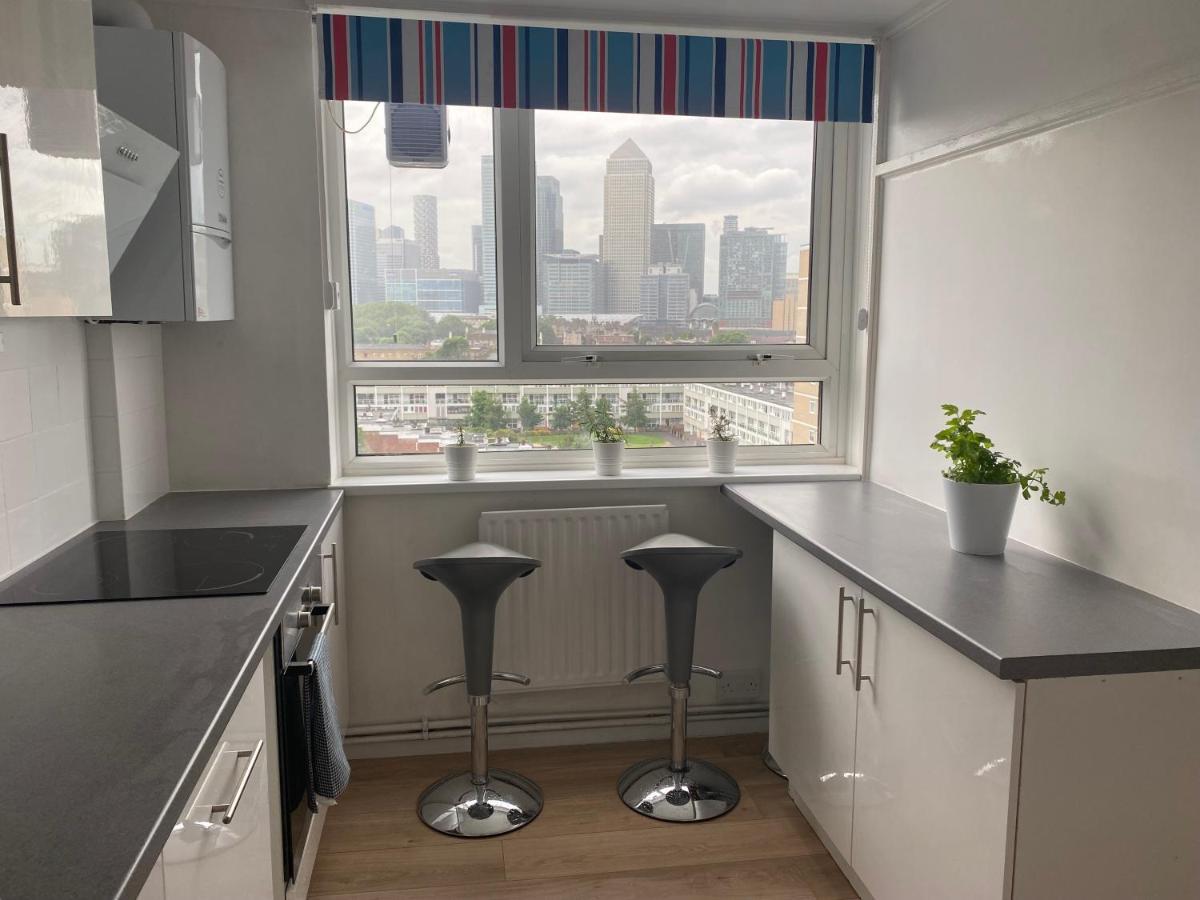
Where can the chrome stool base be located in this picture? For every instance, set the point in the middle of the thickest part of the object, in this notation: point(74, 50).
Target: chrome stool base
point(457, 807)
point(701, 791)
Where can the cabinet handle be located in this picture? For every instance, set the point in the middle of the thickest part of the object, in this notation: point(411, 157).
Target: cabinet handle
point(859, 677)
point(843, 599)
point(10, 238)
point(230, 809)
point(332, 557)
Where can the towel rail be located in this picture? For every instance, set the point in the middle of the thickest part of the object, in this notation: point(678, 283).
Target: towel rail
point(323, 611)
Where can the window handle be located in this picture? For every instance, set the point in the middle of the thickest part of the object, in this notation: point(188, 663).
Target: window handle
point(10, 238)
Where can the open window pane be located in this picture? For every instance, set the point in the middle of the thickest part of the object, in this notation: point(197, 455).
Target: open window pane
point(421, 219)
point(671, 229)
point(396, 420)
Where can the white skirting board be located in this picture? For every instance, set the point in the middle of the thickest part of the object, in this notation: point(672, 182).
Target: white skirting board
point(408, 739)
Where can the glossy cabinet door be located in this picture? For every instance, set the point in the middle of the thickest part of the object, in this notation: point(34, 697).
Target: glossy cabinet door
point(54, 248)
point(812, 703)
point(333, 579)
point(207, 857)
point(934, 763)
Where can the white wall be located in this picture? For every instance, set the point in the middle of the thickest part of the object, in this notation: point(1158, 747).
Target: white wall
point(45, 447)
point(246, 401)
point(1051, 280)
point(404, 630)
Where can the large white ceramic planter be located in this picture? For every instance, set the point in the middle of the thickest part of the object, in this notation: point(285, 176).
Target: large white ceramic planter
point(722, 456)
point(460, 462)
point(608, 456)
point(979, 516)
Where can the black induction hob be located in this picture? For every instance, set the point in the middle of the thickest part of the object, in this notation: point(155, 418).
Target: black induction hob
point(154, 564)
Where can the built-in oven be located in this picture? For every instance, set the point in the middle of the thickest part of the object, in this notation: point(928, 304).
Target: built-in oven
point(306, 617)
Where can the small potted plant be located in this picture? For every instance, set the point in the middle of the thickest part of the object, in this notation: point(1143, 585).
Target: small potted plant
point(981, 485)
point(608, 440)
point(460, 458)
point(722, 443)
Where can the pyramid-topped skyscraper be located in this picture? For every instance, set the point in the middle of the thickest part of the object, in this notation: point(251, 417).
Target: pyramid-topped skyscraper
point(628, 222)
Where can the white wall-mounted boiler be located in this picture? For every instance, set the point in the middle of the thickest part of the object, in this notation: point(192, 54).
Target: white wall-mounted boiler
point(179, 265)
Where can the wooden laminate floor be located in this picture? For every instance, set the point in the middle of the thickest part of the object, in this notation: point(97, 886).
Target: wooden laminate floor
point(585, 843)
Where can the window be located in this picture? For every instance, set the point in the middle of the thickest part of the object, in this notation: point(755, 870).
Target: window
point(413, 421)
point(662, 264)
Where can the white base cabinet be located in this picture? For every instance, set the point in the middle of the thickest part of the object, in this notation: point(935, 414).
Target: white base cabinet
point(930, 779)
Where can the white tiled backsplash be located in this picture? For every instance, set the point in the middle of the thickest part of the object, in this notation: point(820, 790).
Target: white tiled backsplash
point(45, 441)
point(129, 435)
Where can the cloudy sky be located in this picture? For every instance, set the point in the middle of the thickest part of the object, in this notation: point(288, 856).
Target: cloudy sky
point(704, 169)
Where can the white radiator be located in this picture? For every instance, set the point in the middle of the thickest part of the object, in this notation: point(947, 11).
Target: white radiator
point(584, 618)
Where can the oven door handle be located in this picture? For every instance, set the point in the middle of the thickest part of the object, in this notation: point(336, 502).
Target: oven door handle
point(324, 611)
point(230, 809)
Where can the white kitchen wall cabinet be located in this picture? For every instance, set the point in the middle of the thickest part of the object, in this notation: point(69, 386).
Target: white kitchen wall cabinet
point(812, 688)
point(223, 846)
point(53, 246)
point(929, 778)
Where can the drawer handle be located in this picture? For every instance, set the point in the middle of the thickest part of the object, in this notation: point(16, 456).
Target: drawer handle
point(859, 677)
point(843, 599)
point(230, 809)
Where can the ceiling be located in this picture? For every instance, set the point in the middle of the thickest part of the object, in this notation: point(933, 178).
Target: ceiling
point(862, 18)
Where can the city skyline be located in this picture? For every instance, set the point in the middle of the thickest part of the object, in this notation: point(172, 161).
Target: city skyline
point(759, 169)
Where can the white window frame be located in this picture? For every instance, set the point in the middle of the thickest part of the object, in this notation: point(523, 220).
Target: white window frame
point(840, 168)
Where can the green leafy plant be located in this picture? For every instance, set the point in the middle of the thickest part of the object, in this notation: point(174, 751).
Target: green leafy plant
point(598, 421)
point(974, 459)
point(462, 437)
point(720, 426)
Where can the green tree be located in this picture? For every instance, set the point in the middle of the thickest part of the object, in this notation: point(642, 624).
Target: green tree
point(562, 417)
point(454, 348)
point(636, 415)
point(582, 410)
point(528, 413)
point(391, 323)
point(449, 326)
point(486, 412)
point(731, 337)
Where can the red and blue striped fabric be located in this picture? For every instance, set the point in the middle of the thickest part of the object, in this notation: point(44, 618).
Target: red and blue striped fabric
point(520, 67)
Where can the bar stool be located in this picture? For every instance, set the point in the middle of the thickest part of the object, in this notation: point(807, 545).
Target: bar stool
point(679, 789)
point(483, 802)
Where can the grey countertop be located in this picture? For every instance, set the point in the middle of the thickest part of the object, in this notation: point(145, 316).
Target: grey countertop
point(110, 711)
point(1022, 615)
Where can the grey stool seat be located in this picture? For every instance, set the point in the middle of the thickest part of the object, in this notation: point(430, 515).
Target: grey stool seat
point(483, 802)
point(679, 789)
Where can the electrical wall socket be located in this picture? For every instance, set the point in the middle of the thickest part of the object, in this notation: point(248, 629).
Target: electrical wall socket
point(740, 684)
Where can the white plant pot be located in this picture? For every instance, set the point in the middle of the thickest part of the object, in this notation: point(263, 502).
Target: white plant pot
point(979, 516)
point(722, 456)
point(608, 456)
point(460, 462)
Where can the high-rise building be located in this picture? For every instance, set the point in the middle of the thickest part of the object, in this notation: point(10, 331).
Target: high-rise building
point(548, 231)
point(666, 295)
point(364, 277)
point(680, 244)
point(791, 313)
point(425, 229)
point(572, 284)
point(488, 234)
point(477, 249)
point(628, 217)
point(437, 290)
point(753, 268)
point(395, 252)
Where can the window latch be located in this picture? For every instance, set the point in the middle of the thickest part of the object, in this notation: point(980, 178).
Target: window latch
point(759, 358)
point(588, 359)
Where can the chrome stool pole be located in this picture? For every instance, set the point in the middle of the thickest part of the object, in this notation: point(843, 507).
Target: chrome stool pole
point(483, 802)
point(679, 789)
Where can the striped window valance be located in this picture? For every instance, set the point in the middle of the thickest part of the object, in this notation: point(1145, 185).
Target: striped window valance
point(525, 67)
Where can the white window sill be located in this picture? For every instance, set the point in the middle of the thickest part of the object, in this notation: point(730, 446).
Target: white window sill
point(574, 479)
